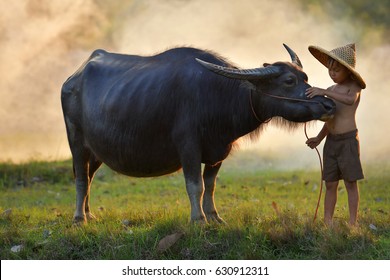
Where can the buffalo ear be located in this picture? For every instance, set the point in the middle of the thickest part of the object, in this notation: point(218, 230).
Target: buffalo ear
point(266, 64)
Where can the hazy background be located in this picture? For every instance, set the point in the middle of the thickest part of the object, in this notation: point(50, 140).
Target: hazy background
point(42, 42)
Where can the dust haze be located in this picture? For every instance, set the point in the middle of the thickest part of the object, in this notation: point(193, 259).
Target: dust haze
point(42, 42)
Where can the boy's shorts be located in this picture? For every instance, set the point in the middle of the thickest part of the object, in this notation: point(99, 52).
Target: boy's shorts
point(342, 157)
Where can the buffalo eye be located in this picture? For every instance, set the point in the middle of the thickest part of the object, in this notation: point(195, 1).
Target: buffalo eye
point(290, 81)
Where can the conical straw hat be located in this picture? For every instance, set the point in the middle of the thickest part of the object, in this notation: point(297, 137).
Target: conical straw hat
point(345, 55)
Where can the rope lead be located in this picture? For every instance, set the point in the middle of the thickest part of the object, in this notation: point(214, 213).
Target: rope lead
point(321, 167)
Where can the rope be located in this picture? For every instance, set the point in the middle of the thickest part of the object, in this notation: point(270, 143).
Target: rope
point(289, 98)
point(321, 184)
point(253, 109)
point(277, 97)
point(307, 137)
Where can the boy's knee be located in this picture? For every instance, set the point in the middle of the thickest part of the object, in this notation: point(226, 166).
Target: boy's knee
point(350, 184)
point(331, 185)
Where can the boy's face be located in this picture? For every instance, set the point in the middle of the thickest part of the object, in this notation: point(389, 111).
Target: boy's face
point(338, 72)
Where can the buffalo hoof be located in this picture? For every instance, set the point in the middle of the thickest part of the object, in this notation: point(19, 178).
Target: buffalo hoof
point(79, 221)
point(199, 221)
point(215, 218)
point(90, 216)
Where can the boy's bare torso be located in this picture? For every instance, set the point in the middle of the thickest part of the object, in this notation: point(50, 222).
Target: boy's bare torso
point(344, 118)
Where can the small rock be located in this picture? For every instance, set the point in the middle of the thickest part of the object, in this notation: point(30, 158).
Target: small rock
point(16, 248)
point(373, 227)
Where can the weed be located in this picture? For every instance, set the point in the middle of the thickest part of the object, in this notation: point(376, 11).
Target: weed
point(269, 215)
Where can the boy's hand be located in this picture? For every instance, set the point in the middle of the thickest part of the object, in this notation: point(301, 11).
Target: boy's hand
point(314, 91)
point(313, 142)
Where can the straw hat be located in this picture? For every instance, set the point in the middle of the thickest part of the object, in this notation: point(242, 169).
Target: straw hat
point(345, 55)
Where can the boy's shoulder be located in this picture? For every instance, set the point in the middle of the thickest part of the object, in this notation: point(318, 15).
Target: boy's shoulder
point(331, 87)
point(339, 88)
point(352, 86)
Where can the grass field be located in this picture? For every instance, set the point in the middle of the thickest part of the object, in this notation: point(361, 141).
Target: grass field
point(269, 215)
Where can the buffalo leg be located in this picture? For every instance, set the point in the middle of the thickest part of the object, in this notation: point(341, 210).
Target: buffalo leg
point(81, 170)
point(195, 189)
point(192, 169)
point(94, 165)
point(81, 157)
point(209, 177)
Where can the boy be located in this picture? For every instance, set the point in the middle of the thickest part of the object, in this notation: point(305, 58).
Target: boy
point(341, 149)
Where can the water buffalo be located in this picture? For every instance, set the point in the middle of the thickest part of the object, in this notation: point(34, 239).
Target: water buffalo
point(150, 116)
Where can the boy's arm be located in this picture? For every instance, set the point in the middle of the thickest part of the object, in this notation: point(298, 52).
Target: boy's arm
point(315, 141)
point(323, 133)
point(347, 98)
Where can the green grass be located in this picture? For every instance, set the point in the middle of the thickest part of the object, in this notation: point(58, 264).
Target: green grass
point(135, 214)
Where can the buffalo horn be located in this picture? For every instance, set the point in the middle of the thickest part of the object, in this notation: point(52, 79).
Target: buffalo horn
point(294, 56)
point(243, 74)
